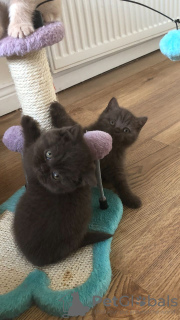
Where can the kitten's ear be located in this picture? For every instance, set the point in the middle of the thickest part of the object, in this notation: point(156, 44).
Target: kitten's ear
point(141, 122)
point(59, 116)
point(31, 130)
point(56, 112)
point(74, 132)
point(55, 109)
point(113, 104)
point(89, 179)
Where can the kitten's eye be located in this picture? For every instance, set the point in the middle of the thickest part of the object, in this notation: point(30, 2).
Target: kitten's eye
point(55, 175)
point(48, 155)
point(112, 122)
point(126, 130)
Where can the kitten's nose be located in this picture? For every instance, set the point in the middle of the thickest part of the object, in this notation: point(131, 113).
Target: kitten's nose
point(117, 130)
point(44, 167)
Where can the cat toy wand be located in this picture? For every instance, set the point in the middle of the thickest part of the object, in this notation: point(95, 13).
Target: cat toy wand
point(145, 6)
point(102, 200)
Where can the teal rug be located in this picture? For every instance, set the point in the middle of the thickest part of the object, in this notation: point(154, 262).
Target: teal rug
point(65, 289)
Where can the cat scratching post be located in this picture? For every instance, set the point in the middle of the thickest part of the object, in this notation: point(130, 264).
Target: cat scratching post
point(32, 77)
point(56, 288)
point(30, 70)
point(33, 84)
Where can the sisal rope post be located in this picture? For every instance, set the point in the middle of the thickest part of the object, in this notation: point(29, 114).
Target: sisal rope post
point(34, 85)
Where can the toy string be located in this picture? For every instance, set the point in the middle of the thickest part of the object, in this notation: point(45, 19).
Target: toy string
point(144, 5)
point(135, 2)
point(43, 3)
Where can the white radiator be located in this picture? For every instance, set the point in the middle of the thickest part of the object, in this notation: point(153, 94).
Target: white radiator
point(97, 28)
point(100, 35)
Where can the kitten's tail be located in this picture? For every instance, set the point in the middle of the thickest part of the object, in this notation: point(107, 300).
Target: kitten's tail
point(94, 237)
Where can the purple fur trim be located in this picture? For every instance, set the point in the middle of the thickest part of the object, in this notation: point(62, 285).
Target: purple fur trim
point(45, 36)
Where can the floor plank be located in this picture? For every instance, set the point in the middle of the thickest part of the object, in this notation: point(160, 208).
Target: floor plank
point(170, 136)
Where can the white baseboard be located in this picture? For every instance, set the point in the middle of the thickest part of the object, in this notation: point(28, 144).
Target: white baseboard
point(8, 100)
point(71, 77)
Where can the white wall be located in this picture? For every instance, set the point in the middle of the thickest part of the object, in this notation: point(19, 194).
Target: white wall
point(8, 98)
point(5, 77)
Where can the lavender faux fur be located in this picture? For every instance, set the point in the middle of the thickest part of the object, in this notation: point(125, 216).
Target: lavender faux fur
point(42, 37)
point(13, 139)
point(99, 142)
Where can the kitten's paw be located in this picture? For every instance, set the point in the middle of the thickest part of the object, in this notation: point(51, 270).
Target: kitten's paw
point(133, 202)
point(20, 30)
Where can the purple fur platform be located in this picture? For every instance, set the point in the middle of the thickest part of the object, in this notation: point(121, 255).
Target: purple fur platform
point(99, 142)
point(45, 36)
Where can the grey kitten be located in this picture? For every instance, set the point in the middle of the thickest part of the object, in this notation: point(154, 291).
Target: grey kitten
point(124, 128)
point(52, 217)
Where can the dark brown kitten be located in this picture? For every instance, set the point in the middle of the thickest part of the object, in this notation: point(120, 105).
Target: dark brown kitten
point(124, 128)
point(52, 217)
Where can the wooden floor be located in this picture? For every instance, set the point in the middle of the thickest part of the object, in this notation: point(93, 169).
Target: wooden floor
point(145, 253)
